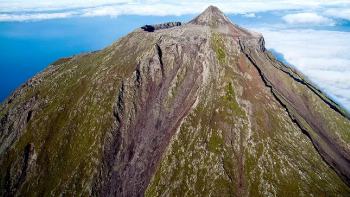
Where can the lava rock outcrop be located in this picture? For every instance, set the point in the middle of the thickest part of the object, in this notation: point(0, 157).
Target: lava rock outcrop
point(151, 28)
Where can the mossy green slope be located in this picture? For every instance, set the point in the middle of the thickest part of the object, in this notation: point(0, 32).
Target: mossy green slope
point(76, 97)
point(197, 110)
point(240, 141)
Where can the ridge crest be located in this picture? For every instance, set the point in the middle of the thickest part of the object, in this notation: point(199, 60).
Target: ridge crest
point(213, 17)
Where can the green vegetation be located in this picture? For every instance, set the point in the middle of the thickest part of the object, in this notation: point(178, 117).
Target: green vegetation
point(181, 74)
point(221, 55)
point(194, 146)
point(265, 154)
point(66, 129)
point(217, 44)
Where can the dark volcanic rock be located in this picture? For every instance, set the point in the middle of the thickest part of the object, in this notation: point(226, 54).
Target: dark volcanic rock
point(148, 28)
point(202, 109)
point(151, 28)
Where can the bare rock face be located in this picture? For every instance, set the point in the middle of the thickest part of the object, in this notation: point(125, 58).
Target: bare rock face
point(151, 28)
point(197, 109)
point(213, 17)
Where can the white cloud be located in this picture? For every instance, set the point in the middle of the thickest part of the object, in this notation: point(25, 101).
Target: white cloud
point(44, 5)
point(339, 13)
point(322, 56)
point(139, 9)
point(302, 19)
point(250, 15)
point(17, 8)
point(35, 17)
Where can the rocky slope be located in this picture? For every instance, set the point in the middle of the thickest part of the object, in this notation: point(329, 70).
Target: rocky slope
point(201, 109)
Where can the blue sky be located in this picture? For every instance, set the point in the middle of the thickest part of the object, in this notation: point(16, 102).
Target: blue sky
point(312, 36)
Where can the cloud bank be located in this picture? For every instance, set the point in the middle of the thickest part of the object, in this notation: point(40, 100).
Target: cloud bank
point(38, 9)
point(323, 56)
point(338, 13)
point(34, 17)
point(303, 19)
point(250, 15)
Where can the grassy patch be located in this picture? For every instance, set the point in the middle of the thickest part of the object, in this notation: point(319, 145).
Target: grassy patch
point(218, 46)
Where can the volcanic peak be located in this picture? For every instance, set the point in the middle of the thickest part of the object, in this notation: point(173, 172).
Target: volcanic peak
point(166, 111)
point(212, 17)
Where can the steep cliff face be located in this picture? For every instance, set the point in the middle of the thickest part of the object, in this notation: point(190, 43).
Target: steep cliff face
point(191, 110)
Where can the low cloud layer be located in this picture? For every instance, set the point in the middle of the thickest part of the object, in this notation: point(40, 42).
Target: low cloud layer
point(323, 56)
point(303, 19)
point(338, 13)
point(39, 9)
point(34, 17)
point(250, 15)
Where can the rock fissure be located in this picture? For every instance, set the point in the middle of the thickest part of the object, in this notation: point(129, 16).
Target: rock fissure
point(225, 171)
point(160, 56)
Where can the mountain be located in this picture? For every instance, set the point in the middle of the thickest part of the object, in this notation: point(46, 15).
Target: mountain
point(179, 109)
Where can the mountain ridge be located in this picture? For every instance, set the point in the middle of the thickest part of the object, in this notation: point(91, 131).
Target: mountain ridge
point(166, 112)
